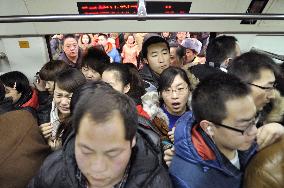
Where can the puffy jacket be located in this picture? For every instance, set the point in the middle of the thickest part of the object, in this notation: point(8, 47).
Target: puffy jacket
point(266, 169)
point(146, 169)
point(202, 165)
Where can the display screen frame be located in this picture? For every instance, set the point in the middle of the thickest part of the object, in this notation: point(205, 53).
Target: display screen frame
point(130, 7)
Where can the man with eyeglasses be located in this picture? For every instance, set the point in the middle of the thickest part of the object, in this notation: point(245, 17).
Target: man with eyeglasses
point(213, 148)
point(258, 72)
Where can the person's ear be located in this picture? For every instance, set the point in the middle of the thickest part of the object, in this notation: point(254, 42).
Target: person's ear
point(228, 61)
point(207, 127)
point(145, 61)
point(126, 88)
point(133, 142)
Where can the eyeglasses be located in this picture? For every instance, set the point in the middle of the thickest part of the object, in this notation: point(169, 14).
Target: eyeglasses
point(245, 131)
point(264, 88)
point(178, 91)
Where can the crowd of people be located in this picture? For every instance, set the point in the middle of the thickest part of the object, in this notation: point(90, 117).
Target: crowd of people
point(144, 110)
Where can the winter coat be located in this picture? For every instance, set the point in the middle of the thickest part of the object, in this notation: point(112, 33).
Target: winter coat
point(78, 63)
point(45, 104)
point(266, 168)
point(113, 53)
point(201, 164)
point(146, 169)
point(151, 105)
point(22, 149)
point(151, 80)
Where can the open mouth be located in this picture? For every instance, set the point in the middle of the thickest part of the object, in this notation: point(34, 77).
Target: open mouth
point(176, 105)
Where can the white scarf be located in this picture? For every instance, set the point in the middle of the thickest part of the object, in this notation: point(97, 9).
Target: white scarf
point(54, 120)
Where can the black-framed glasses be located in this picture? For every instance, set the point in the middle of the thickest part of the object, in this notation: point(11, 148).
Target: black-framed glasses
point(252, 123)
point(264, 88)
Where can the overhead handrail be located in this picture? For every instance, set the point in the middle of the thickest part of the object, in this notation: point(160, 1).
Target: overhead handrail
point(270, 54)
point(191, 16)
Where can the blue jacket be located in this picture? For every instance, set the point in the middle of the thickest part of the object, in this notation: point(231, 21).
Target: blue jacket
point(189, 170)
point(114, 54)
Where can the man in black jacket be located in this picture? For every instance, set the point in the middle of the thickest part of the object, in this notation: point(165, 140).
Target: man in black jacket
point(105, 149)
point(156, 55)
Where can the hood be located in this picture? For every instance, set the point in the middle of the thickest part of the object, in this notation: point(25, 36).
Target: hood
point(277, 112)
point(195, 147)
point(151, 105)
point(109, 47)
point(190, 144)
point(33, 102)
point(183, 145)
point(142, 112)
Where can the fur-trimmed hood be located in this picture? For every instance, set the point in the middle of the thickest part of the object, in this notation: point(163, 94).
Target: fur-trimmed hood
point(151, 104)
point(277, 112)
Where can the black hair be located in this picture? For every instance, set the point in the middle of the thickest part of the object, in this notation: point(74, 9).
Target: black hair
point(247, 66)
point(128, 74)
point(104, 35)
point(137, 88)
point(173, 44)
point(211, 94)
point(150, 39)
point(168, 75)
point(122, 72)
point(101, 102)
point(96, 59)
point(6, 104)
point(129, 36)
point(90, 40)
point(68, 36)
point(70, 79)
point(2, 92)
point(221, 48)
point(10, 78)
point(50, 70)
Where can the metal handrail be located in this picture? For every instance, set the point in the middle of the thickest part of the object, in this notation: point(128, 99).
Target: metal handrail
point(270, 54)
point(191, 16)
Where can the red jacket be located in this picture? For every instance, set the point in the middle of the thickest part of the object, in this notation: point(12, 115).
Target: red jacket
point(33, 102)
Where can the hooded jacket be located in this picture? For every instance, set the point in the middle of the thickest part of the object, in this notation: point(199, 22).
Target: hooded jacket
point(113, 53)
point(199, 164)
point(151, 105)
point(146, 170)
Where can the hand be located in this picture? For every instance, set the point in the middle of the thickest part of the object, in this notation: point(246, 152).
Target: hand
point(171, 134)
point(268, 134)
point(46, 130)
point(168, 155)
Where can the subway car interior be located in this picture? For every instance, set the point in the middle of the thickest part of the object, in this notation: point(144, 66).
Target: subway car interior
point(137, 107)
point(27, 24)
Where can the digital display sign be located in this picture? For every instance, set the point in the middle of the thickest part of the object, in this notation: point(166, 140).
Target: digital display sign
point(107, 7)
point(156, 7)
point(161, 7)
